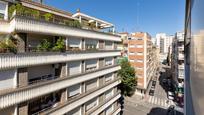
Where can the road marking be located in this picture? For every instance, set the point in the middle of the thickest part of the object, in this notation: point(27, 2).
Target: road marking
point(158, 102)
point(155, 100)
point(152, 101)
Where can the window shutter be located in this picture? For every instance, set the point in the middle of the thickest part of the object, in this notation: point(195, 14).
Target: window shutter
point(74, 90)
point(91, 84)
point(74, 42)
point(74, 68)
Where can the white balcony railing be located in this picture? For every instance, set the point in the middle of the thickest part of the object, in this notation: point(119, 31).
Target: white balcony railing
point(8, 61)
point(23, 24)
point(66, 108)
point(181, 56)
point(24, 94)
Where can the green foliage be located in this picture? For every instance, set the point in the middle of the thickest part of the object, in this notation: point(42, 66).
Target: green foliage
point(48, 16)
point(60, 45)
point(45, 45)
point(128, 79)
point(74, 23)
point(21, 10)
point(8, 45)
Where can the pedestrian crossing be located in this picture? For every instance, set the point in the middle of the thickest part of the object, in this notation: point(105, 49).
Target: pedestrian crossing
point(159, 101)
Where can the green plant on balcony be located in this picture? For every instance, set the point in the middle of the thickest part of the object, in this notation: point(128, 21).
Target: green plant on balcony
point(60, 45)
point(48, 16)
point(72, 23)
point(44, 45)
point(21, 10)
point(7, 45)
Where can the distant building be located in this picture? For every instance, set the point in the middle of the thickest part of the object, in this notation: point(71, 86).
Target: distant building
point(124, 46)
point(163, 42)
point(142, 56)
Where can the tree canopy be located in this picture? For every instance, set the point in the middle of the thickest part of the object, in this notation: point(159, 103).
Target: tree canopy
point(128, 78)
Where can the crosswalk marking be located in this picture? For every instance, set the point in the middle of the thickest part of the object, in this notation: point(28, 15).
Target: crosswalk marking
point(159, 101)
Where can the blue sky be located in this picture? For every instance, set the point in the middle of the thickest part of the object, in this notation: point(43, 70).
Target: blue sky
point(152, 16)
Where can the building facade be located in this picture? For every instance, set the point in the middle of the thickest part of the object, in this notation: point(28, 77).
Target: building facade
point(177, 65)
point(163, 42)
point(142, 56)
point(54, 62)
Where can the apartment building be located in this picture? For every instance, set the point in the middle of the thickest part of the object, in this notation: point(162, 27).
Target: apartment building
point(52, 62)
point(177, 64)
point(142, 56)
point(124, 48)
point(163, 42)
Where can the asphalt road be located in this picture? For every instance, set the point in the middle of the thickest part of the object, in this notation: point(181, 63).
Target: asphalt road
point(150, 105)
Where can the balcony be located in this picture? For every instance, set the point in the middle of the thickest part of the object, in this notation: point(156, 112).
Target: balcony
point(181, 66)
point(70, 105)
point(181, 48)
point(9, 61)
point(30, 25)
point(181, 56)
point(30, 92)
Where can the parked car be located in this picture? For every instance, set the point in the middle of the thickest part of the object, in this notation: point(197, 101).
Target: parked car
point(151, 92)
point(170, 95)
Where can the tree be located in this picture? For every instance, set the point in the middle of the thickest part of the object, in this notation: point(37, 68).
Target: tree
point(128, 79)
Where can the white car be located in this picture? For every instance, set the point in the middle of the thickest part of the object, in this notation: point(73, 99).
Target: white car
point(170, 95)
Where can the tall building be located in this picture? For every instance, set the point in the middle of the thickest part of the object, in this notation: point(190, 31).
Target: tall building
point(177, 65)
point(163, 42)
point(142, 56)
point(51, 63)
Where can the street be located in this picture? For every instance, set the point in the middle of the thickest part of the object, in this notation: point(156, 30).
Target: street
point(157, 104)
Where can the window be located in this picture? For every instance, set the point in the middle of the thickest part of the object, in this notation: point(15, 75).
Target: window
point(108, 45)
point(91, 84)
point(74, 90)
point(139, 60)
point(109, 110)
point(3, 9)
point(74, 43)
point(108, 94)
point(132, 45)
point(132, 60)
point(91, 104)
point(91, 64)
point(139, 38)
point(76, 111)
point(108, 77)
point(131, 53)
point(139, 53)
point(91, 44)
point(108, 61)
point(139, 46)
point(74, 67)
point(139, 68)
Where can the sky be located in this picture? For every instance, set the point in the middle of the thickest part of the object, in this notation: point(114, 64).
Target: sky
point(152, 16)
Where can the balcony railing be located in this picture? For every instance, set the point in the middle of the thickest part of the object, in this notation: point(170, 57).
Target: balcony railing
point(32, 91)
point(42, 79)
point(9, 61)
point(181, 56)
point(25, 24)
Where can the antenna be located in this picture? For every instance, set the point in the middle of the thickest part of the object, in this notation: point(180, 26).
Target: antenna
point(137, 18)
